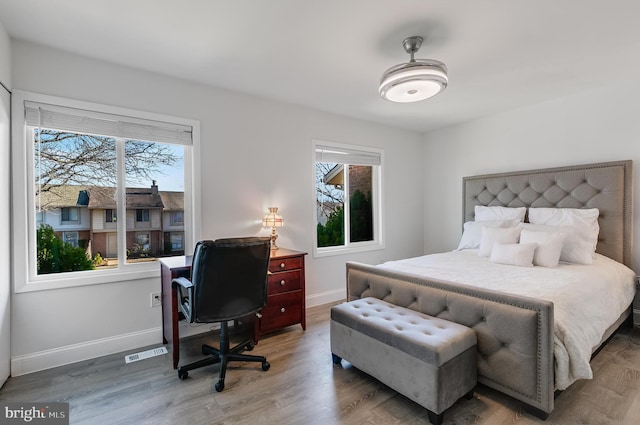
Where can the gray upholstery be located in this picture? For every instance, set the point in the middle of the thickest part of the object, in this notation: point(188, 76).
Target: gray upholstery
point(514, 334)
point(429, 360)
point(433, 340)
point(607, 186)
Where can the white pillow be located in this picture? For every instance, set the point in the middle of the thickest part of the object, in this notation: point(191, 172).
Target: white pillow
point(483, 213)
point(492, 235)
point(516, 254)
point(549, 246)
point(472, 232)
point(584, 220)
point(577, 247)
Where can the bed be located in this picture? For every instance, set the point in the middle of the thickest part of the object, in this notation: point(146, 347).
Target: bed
point(517, 334)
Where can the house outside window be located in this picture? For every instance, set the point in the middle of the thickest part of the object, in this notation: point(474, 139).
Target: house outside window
point(132, 149)
point(348, 192)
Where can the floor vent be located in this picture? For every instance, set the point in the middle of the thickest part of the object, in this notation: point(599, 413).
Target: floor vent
point(145, 354)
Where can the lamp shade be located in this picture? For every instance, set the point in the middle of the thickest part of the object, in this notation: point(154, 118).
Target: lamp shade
point(273, 219)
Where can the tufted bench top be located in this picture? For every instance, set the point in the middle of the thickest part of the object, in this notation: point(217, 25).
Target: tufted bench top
point(431, 339)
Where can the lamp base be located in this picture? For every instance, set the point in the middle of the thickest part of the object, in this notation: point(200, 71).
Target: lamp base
point(274, 236)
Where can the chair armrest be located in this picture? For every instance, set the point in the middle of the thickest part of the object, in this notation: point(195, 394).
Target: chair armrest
point(182, 281)
point(184, 291)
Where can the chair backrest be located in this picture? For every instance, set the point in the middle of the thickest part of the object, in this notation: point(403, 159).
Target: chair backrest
point(229, 278)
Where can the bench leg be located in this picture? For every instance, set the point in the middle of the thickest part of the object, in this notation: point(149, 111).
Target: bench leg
point(435, 419)
point(336, 359)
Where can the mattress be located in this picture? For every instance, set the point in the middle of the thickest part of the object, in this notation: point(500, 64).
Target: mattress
point(587, 298)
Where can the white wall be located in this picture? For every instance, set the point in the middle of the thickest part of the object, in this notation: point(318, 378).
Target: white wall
point(255, 154)
point(5, 205)
point(595, 126)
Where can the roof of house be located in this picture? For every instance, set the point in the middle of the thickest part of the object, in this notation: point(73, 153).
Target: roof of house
point(100, 197)
point(105, 198)
point(62, 196)
point(172, 201)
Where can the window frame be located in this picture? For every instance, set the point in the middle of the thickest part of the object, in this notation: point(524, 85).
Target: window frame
point(171, 235)
point(110, 215)
point(172, 218)
point(69, 210)
point(377, 201)
point(26, 278)
point(143, 215)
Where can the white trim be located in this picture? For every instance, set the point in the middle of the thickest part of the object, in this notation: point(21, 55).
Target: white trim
point(25, 277)
point(41, 360)
point(326, 297)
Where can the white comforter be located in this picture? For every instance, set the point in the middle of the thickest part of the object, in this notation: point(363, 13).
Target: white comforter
point(587, 298)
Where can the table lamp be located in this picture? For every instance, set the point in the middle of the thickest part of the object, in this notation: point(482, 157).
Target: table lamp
point(273, 220)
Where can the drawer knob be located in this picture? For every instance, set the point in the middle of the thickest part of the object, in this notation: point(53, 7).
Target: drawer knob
point(282, 265)
point(282, 282)
point(282, 310)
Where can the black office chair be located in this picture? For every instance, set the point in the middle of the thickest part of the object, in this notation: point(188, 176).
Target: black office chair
point(228, 282)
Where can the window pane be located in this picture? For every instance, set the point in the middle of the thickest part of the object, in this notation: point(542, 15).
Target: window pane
point(68, 167)
point(360, 205)
point(177, 241)
point(154, 195)
point(330, 204)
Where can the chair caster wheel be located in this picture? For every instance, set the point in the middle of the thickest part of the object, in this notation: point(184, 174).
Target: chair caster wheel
point(249, 346)
point(182, 374)
point(219, 386)
point(265, 366)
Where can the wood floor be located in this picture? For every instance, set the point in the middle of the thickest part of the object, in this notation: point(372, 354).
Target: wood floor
point(304, 387)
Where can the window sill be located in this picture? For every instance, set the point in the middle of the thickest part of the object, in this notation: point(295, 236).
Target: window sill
point(341, 250)
point(130, 272)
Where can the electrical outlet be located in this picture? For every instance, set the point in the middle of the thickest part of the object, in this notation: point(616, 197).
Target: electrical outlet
point(156, 299)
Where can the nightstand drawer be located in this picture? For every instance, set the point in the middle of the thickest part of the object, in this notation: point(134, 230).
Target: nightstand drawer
point(284, 282)
point(282, 310)
point(282, 264)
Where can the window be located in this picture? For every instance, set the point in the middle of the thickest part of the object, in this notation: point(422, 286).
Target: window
point(142, 215)
point(111, 216)
point(111, 163)
point(70, 215)
point(70, 237)
point(347, 197)
point(177, 241)
point(176, 218)
point(143, 242)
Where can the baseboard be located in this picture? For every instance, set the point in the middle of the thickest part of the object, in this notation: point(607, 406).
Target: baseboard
point(325, 297)
point(34, 362)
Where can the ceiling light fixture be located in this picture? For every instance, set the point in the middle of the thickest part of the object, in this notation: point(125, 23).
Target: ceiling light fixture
point(416, 80)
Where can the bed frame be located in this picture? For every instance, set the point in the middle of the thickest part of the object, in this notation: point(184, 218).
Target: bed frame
point(515, 334)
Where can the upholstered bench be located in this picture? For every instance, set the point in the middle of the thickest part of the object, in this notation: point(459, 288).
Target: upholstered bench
point(429, 360)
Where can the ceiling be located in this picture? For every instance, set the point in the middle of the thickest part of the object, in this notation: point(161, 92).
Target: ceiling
point(329, 54)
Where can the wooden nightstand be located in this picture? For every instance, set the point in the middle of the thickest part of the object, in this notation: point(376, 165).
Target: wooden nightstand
point(636, 304)
point(286, 293)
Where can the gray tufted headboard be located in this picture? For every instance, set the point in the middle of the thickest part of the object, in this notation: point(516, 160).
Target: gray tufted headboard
point(606, 186)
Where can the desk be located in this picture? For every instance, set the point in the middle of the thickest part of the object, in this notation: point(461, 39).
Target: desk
point(285, 295)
